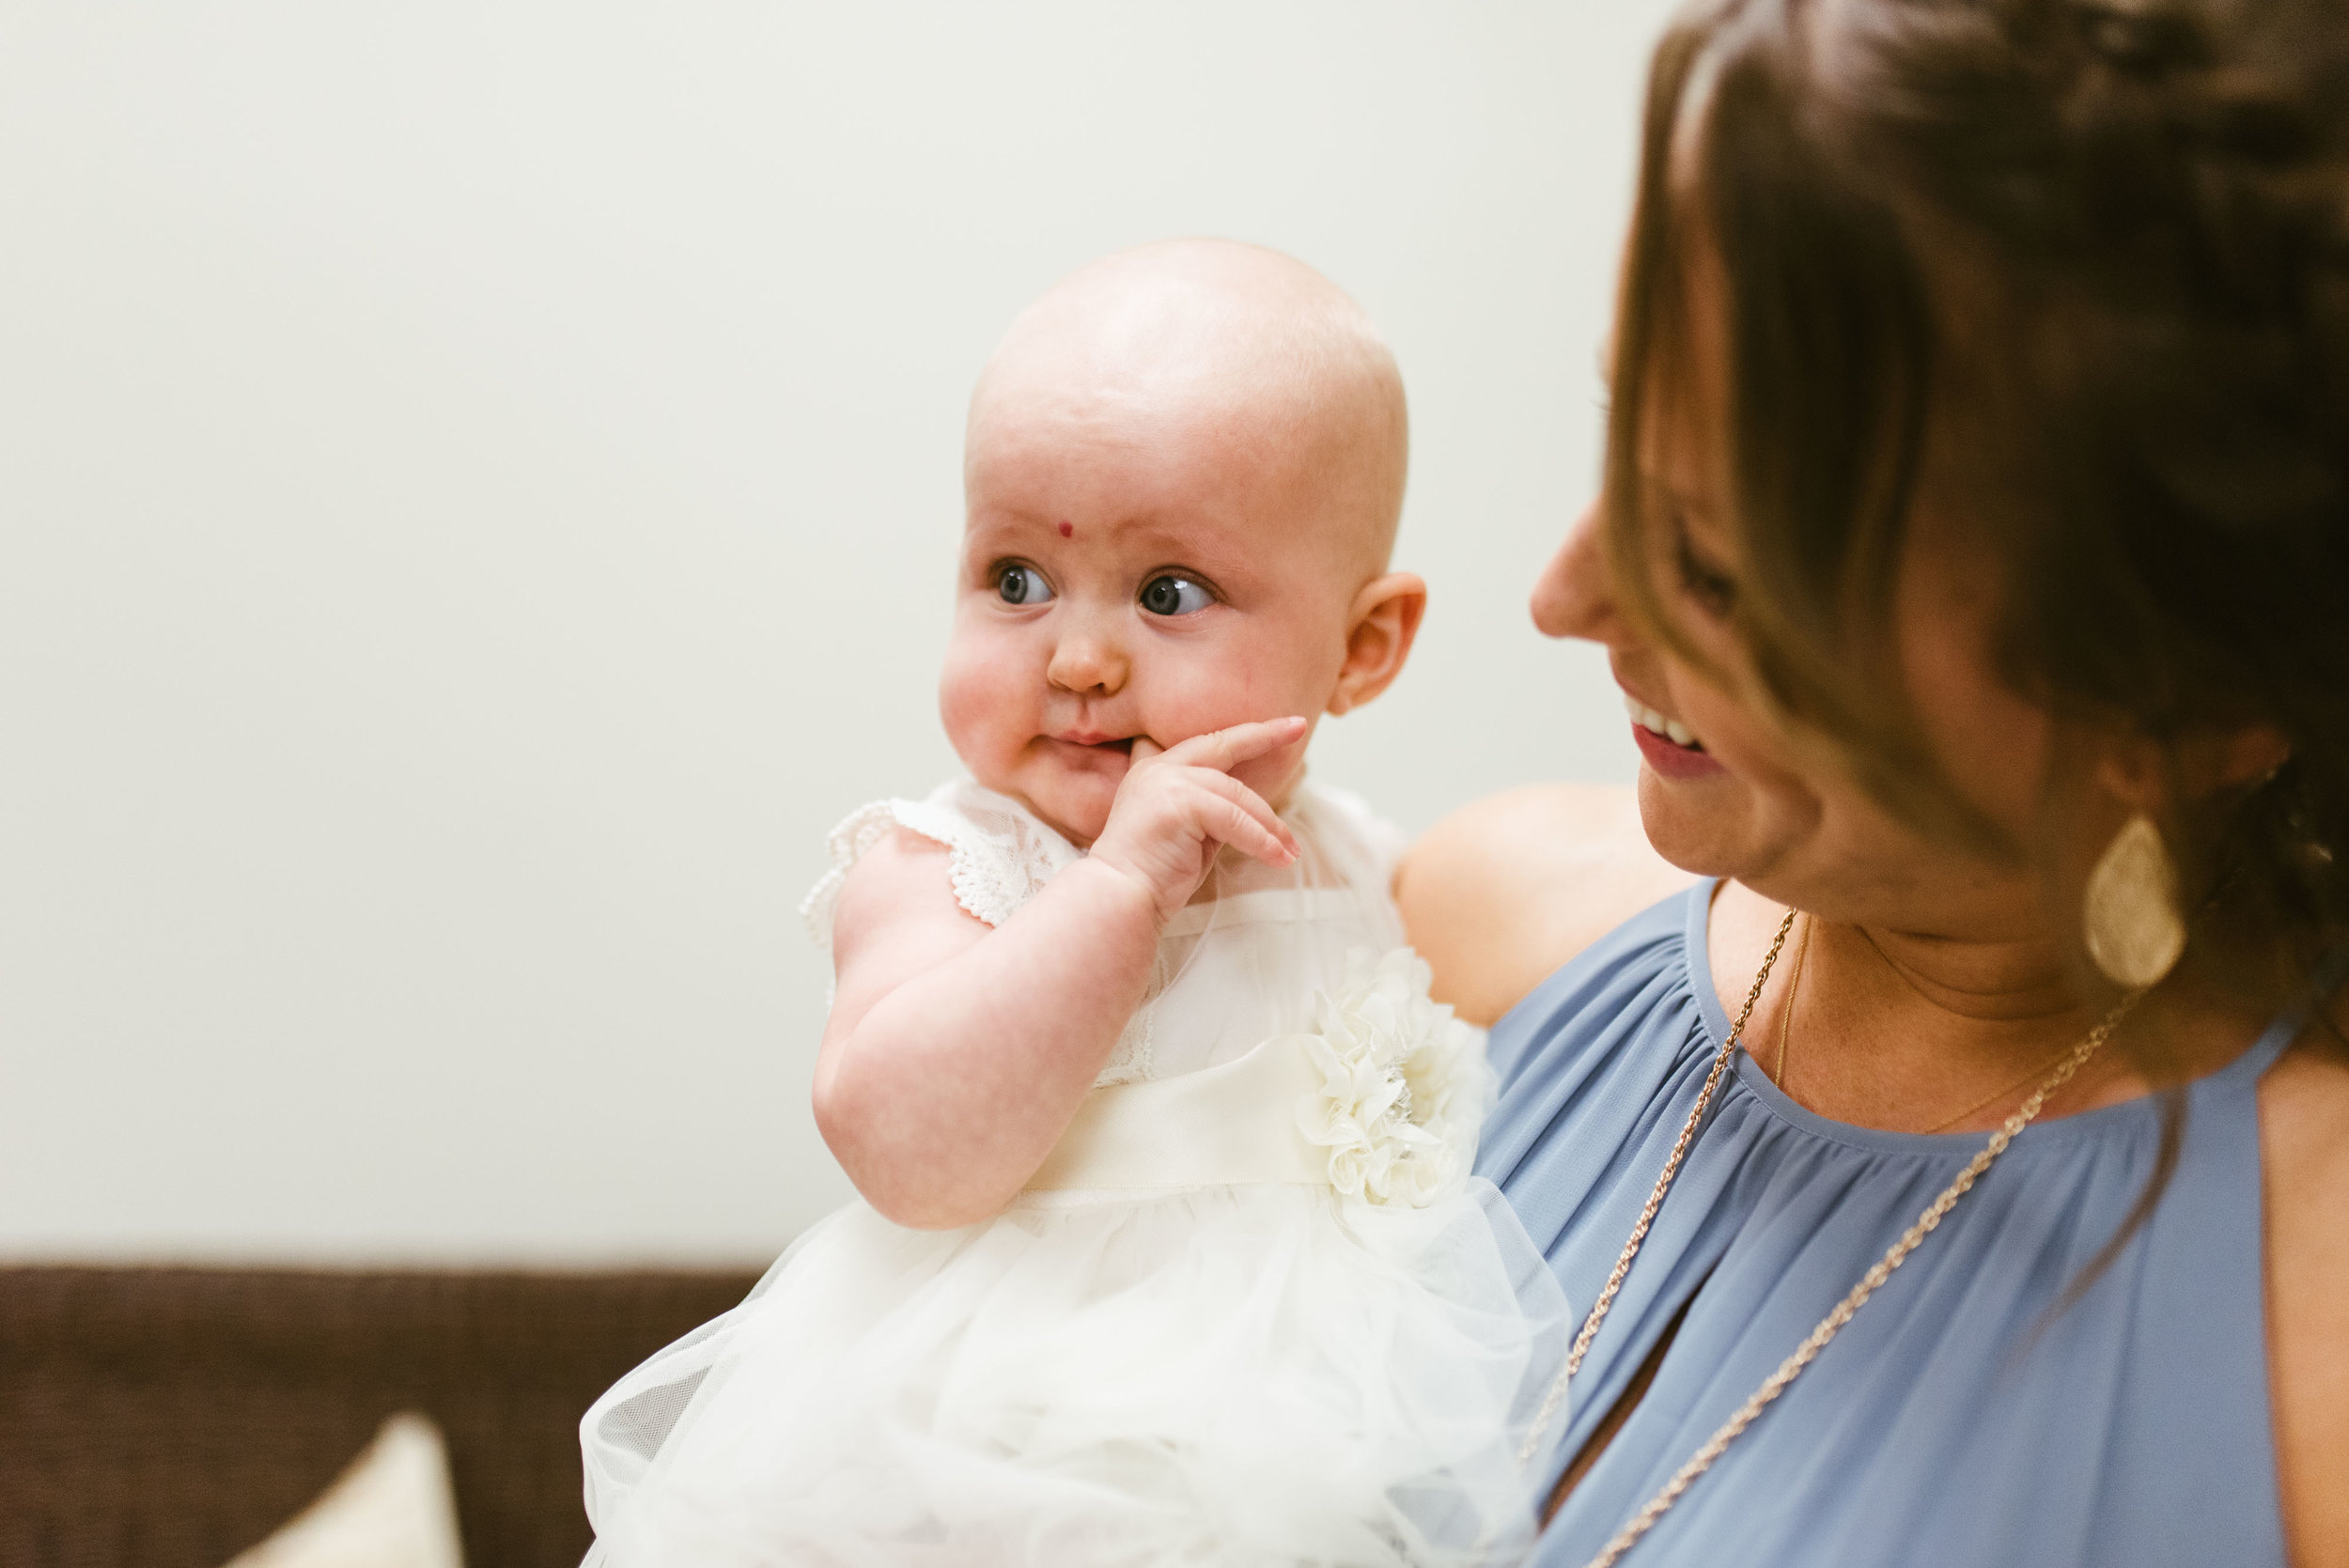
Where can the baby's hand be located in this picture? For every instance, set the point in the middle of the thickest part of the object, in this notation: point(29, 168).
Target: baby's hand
point(1177, 807)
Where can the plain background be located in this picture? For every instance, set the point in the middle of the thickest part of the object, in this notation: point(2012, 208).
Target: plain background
point(479, 486)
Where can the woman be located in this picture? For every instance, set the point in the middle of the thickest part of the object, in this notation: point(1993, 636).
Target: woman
point(1971, 555)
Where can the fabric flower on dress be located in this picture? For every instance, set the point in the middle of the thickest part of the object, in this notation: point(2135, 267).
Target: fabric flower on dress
point(1403, 1084)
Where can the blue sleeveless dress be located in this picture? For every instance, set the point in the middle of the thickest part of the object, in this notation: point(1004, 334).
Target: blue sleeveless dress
point(1952, 1421)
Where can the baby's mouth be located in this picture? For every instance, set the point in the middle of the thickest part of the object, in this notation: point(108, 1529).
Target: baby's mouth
point(1096, 740)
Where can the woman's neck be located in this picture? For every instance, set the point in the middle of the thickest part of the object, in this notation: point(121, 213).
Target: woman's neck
point(1914, 1033)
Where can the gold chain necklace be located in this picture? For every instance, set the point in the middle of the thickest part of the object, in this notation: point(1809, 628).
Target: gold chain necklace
point(1786, 1014)
point(1785, 1035)
point(1808, 1351)
point(1997, 1094)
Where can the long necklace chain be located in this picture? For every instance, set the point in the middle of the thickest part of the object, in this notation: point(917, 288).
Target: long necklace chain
point(1808, 1351)
point(1581, 1346)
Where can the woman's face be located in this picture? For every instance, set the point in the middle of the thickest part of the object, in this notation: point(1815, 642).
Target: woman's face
point(1725, 787)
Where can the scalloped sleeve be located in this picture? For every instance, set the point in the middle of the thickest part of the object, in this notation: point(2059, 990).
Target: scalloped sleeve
point(1001, 853)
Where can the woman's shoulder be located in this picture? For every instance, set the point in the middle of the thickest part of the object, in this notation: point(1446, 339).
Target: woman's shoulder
point(1501, 893)
point(2304, 1163)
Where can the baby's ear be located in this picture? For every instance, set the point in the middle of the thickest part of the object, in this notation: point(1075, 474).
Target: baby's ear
point(1378, 632)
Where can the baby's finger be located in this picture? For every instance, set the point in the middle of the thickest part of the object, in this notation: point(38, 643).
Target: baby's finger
point(1229, 788)
point(1224, 750)
point(1142, 750)
point(1231, 824)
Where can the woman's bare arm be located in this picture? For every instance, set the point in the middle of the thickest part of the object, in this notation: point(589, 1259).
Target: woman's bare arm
point(1500, 893)
point(2304, 1163)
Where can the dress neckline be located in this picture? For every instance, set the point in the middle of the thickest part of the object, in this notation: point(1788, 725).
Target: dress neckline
point(1695, 950)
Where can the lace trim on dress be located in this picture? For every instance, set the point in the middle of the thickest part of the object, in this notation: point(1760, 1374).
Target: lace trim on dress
point(848, 844)
point(1002, 855)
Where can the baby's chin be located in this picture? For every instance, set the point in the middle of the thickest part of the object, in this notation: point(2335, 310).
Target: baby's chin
point(1075, 814)
point(1074, 803)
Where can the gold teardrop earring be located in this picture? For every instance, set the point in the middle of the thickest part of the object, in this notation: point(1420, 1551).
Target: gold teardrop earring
point(2134, 931)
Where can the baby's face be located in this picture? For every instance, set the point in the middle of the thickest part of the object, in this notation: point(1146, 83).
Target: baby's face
point(1144, 563)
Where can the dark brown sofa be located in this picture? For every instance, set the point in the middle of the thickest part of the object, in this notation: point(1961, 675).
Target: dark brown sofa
point(171, 1418)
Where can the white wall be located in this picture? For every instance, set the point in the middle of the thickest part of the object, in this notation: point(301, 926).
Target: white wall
point(477, 492)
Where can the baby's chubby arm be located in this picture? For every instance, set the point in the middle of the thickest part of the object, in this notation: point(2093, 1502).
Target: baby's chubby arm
point(957, 1053)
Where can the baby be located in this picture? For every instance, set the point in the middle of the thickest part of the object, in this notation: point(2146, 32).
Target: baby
point(1167, 1250)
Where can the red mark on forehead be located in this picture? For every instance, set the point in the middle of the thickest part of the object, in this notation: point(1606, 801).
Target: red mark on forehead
point(1067, 530)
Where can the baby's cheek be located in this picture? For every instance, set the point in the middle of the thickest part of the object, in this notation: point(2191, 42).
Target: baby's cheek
point(1200, 695)
point(974, 699)
point(1276, 773)
point(1218, 694)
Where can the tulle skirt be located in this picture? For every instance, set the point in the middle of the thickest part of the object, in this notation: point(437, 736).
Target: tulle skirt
point(1238, 1375)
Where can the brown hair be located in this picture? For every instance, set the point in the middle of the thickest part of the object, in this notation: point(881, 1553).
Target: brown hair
point(2111, 243)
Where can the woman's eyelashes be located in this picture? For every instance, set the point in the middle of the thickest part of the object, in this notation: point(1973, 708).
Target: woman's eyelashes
point(1174, 593)
point(1714, 590)
point(1016, 583)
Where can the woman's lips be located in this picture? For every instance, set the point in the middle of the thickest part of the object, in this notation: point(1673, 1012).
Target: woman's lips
point(1669, 746)
point(1672, 762)
point(1648, 718)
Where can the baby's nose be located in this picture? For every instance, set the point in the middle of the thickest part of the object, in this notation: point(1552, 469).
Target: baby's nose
point(1089, 664)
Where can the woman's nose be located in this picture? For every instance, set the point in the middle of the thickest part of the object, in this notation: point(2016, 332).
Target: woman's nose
point(1575, 596)
point(1088, 664)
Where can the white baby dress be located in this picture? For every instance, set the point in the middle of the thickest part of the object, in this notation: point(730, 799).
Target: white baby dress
point(1254, 1310)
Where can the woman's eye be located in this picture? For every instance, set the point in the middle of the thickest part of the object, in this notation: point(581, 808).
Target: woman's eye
point(1017, 584)
point(1169, 594)
point(1714, 590)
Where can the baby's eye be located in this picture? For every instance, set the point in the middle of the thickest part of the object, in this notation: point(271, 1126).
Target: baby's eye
point(1018, 584)
point(1169, 594)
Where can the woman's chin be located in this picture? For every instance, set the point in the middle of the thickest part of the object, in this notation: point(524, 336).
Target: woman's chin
point(1690, 827)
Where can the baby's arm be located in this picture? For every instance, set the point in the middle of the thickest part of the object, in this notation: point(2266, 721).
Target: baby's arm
point(957, 1053)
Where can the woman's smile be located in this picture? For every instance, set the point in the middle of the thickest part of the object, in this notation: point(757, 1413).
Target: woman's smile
point(1666, 745)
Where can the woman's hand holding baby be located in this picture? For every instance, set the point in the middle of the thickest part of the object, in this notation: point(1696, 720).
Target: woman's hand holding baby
point(1177, 806)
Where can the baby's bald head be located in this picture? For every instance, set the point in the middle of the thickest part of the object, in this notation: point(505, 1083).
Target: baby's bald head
point(1245, 351)
point(1180, 485)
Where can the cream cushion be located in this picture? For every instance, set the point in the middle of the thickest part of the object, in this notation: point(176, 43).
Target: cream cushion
point(391, 1509)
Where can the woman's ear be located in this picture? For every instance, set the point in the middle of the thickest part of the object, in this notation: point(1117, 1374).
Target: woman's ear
point(2203, 762)
point(1378, 632)
point(2231, 760)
